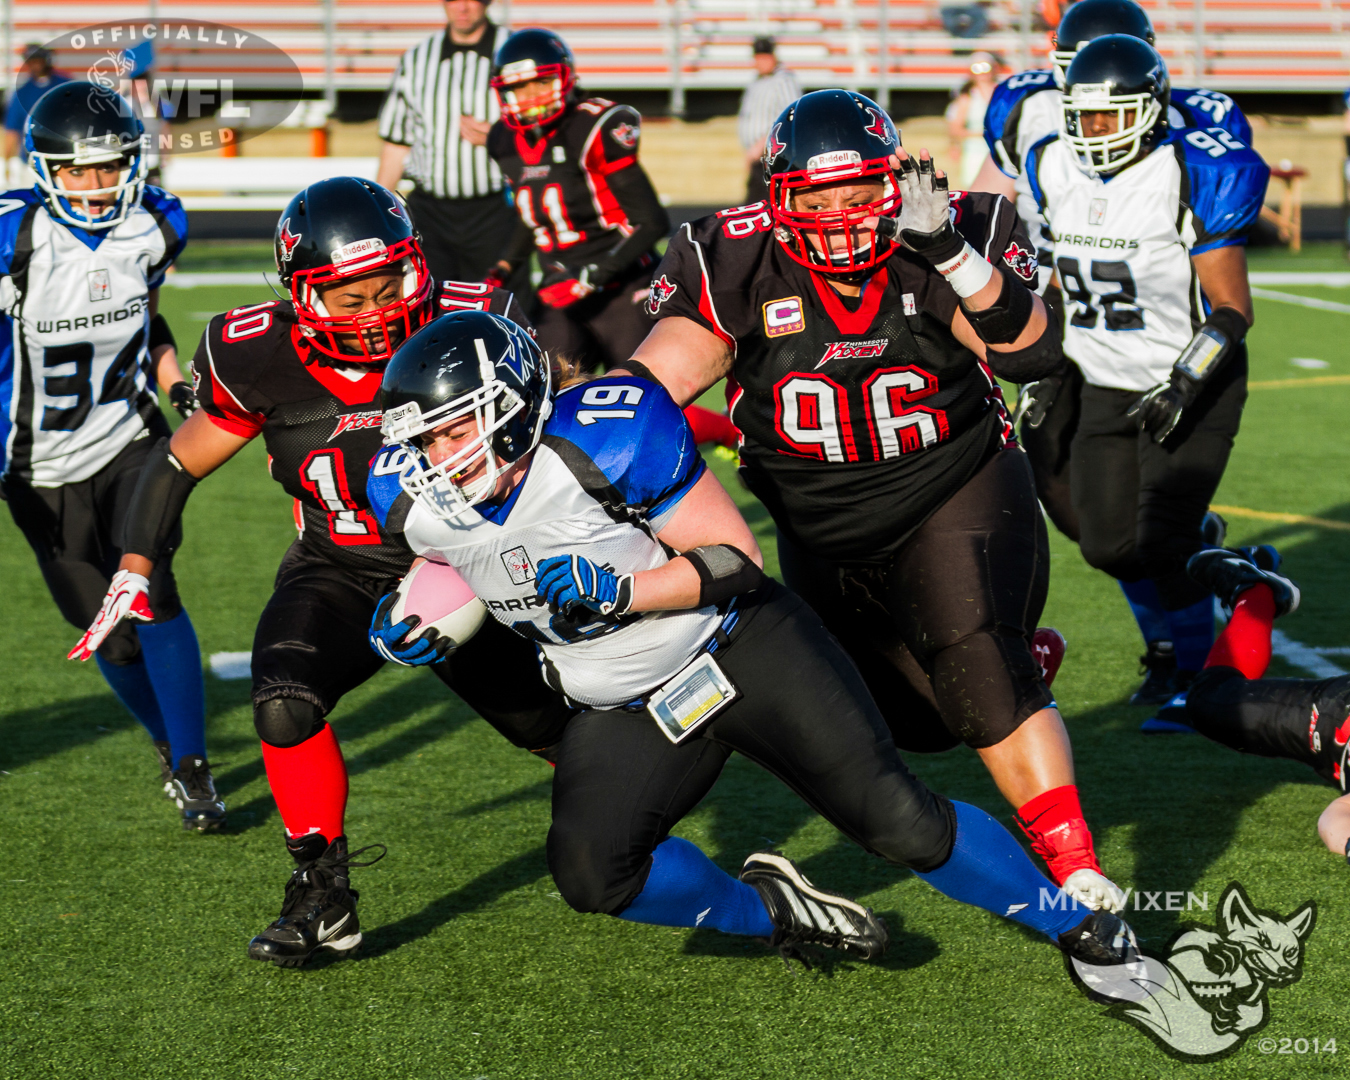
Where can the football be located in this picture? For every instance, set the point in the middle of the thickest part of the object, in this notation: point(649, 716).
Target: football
point(441, 598)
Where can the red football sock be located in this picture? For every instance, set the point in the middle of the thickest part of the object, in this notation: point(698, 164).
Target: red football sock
point(1245, 641)
point(309, 784)
point(710, 426)
point(1053, 822)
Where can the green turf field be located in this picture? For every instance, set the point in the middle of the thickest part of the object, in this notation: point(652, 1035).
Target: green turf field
point(122, 952)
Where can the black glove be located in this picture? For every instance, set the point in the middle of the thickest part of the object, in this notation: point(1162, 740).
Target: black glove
point(1159, 411)
point(183, 398)
point(1033, 404)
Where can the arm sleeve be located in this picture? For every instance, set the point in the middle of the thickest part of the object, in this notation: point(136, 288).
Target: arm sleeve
point(1224, 197)
point(612, 158)
point(224, 404)
point(1009, 244)
point(396, 113)
point(667, 463)
point(173, 223)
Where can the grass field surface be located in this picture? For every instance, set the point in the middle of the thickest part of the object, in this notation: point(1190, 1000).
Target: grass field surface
point(122, 938)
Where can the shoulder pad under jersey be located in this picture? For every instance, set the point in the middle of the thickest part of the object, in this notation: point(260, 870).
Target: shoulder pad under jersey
point(1223, 183)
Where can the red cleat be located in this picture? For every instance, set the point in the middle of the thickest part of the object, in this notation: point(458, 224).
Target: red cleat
point(1048, 647)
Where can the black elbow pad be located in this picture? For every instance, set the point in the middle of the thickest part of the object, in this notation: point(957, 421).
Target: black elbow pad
point(723, 572)
point(1003, 323)
point(160, 334)
point(1042, 357)
point(157, 504)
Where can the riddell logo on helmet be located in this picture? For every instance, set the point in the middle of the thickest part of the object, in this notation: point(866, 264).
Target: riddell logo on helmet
point(852, 350)
point(357, 249)
point(835, 159)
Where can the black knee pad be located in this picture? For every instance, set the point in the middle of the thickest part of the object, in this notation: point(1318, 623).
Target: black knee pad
point(122, 646)
point(988, 685)
point(283, 722)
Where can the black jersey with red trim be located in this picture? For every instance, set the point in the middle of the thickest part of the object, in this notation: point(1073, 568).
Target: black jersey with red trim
point(255, 373)
point(580, 189)
point(860, 416)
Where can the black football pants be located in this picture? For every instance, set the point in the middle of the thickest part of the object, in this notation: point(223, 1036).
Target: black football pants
point(601, 331)
point(942, 633)
point(75, 531)
point(1300, 719)
point(804, 714)
point(1048, 448)
point(312, 645)
point(1139, 504)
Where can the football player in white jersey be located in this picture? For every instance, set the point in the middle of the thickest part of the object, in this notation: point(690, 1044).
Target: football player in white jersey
point(82, 256)
point(1025, 109)
point(588, 524)
point(1148, 226)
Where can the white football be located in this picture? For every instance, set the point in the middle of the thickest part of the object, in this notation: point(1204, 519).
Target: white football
point(441, 599)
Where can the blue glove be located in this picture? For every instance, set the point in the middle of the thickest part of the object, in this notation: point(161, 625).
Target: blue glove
point(571, 581)
point(390, 640)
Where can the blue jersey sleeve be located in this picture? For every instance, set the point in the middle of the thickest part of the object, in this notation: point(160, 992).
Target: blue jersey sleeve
point(1209, 108)
point(1223, 184)
point(168, 211)
point(1003, 112)
point(637, 437)
point(12, 207)
point(382, 483)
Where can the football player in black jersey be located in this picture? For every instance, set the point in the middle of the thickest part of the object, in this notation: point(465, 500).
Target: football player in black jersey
point(304, 376)
point(585, 204)
point(861, 316)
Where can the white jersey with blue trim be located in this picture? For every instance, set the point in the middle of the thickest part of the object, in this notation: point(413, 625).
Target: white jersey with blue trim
point(1123, 245)
point(74, 346)
point(1026, 108)
point(615, 459)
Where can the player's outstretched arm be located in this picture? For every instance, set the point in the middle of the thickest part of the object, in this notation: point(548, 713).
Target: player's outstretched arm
point(682, 356)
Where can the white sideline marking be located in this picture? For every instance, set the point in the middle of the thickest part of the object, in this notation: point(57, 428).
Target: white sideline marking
point(1299, 277)
point(232, 665)
point(1300, 655)
point(191, 280)
point(1301, 301)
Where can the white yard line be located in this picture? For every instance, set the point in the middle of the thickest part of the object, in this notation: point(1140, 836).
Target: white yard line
point(191, 280)
point(1301, 301)
point(1300, 655)
point(1299, 277)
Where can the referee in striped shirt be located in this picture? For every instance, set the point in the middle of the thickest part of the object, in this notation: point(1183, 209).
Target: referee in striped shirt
point(773, 90)
point(434, 125)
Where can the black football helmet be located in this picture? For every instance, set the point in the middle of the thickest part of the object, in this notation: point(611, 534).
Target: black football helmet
point(78, 124)
point(466, 363)
point(1121, 74)
point(346, 227)
point(823, 138)
point(528, 55)
point(1088, 20)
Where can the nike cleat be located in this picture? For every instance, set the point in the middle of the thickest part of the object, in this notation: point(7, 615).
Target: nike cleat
point(164, 755)
point(194, 790)
point(1159, 665)
point(803, 914)
point(319, 908)
point(1228, 574)
point(1213, 529)
point(1048, 647)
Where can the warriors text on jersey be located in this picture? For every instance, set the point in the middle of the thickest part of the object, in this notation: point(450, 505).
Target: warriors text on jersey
point(1025, 108)
point(616, 458)
point(571, 186)
point(1123, 246)
point(74, 350)
point(255, 374)
point(861, 416)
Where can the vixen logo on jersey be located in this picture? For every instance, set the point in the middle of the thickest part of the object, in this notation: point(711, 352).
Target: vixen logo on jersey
point(535, 172)
point(784, 317)
point(356, 422)
point(878, 127)
point(852, 350)
point(518, 565)
point(1022, 261)
point(288, 240)
point(660, 291)
point(773, 145)
point(100, 287)
point(626, 135)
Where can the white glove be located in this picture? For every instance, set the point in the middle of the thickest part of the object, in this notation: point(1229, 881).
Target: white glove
point(1092, 890)
point(128, 598)
point(925, 208)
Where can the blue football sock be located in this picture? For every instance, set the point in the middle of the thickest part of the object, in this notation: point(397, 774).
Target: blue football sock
point(131, 684)
point(1147, 607)
point(1193, 633)
point(685, 888)
point(989, 869)
point(174, 661)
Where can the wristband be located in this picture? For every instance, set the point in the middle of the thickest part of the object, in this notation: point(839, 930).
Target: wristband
point(723, 572)
point(1218, 335)
point(160, 334)
point(966, 272)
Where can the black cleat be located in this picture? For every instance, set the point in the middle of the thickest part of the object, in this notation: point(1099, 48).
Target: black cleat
point(1100, 939)
point(1159, 665)
point(1262, 556)
point(1213, 529)
point(193, 789)
point(803, 914)
point(164, 755)
point(319, 910)
point(1228, 574)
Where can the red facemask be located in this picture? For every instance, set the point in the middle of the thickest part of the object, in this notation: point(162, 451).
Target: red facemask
point(541, 111)
point(858, 253)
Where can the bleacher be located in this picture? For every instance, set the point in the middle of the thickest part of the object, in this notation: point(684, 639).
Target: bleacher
point(1295, 45)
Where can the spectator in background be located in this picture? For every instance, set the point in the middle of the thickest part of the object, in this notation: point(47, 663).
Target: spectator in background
point(434, 125)
point(963, 18)
point(965, 117)
point(774, 89)
point(41, 77)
